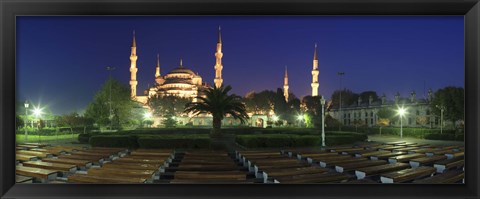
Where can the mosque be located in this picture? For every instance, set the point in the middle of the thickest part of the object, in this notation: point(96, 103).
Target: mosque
point(185, 83)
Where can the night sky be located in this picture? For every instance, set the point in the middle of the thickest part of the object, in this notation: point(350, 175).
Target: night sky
point(61, 61)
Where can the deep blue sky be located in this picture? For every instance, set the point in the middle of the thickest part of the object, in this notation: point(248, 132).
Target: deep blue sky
point(61, 60)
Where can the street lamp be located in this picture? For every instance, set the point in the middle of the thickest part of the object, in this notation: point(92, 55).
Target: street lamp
point(401, 112)
point(341, 74)
point(26, 120)
point(275, 119)
point(300, 118)
point(322, 101)
point(147, 116)
point(37, 112)
point(442, 108)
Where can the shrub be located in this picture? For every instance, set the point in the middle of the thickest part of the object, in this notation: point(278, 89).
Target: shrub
point(113, 141)
point(84, 138)
point(277, 140)
point(174, 141)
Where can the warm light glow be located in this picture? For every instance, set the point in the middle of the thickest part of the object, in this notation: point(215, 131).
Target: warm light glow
point(147, 115)
point(275, 118)
point(300, 117)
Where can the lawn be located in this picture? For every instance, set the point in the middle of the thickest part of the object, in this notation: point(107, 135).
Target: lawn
point(64, 138)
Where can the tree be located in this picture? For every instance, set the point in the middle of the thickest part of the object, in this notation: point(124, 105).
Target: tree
point(348, 98)
point(163, 105)
point(122, 105)
point(452, 98)
point(19, 122)
point(218, 103)
point(385, 115)
point(331, 122)
point(365, 96)
point(313, 110)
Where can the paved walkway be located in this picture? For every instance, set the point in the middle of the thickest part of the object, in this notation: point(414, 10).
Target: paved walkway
point(389, 138)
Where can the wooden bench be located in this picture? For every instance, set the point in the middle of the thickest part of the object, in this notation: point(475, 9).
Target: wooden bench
point(35, 153)
point(407, 174)
point(81, 164)
point(392, 148)
point(419, 145)
point(361, 181)
point(311, 157)
point(23, 179)
point(386, 155)
point(24, 158)
point(118, 172)
point(132, 166)
point(42, 175)
point(142, 161)
point(65, 168)
point(332, 162)
point(213, 167)
point(405, 144)
point(426, 160)
point(394, 143)
point(345, 167)
point(315, 178)
point(444, 165)
point(405, 158)
point(27, 146)
point(361, 173)
point(82, 178)
point(92, 159)
point(422, 150)
point(353, 152)
point(439, 152)
point(37, 144)
point(444, 178)
point(293, 171)
point(368, 154)
point(455, 155)
point(405, 149)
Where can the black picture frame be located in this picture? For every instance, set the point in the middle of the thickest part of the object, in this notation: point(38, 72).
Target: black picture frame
point(9, 9)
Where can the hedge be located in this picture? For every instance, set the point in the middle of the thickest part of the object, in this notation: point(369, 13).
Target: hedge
point(174, 141)
point(292, 140)
point(126, 141)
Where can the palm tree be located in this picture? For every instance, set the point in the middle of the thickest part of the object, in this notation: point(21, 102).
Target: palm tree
point(218, 103)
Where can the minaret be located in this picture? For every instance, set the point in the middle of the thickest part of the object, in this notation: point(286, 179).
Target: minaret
point(285, 85)
point(157, 68)
point(315, 73)
point(218, 63)
point(133, 69)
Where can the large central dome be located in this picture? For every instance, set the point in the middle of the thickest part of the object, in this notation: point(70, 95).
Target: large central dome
point(181, 70)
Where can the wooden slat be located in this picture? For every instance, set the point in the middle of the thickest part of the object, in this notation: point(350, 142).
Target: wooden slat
point(51, 166)
point(375, 170)
point(78, 163)
point(344, 167)
point(316, 178)
point(448, 177)
point(407, 174)
point(35, 153)
point(81, 178)
point(426, 160)
point(44, 174)
point(405, 158)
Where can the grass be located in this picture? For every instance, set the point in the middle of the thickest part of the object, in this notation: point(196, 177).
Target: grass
point(64, 138)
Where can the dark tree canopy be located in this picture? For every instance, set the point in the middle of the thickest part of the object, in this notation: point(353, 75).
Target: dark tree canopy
point(167, 105)
point(348, 98)
point(452, 98)
point(122, 105)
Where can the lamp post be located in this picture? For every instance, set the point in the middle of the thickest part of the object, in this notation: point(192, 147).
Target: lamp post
point(401, 112)
point(26, 120)
point(322, 101)
point(442, 108)
point(110, 95)
point(300, 118)
point(37, 111)
point(341, 74)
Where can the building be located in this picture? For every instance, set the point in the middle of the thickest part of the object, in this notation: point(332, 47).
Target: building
point(365, 113)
